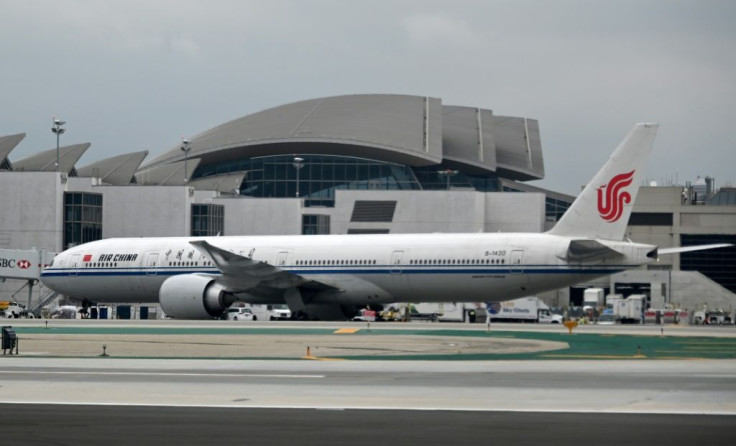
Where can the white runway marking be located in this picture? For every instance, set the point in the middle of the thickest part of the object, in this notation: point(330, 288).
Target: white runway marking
point(377, 408)
point(223, 375)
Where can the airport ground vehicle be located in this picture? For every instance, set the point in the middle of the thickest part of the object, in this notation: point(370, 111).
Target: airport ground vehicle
point(525, 309)
point(394, 312)
point(441, 312)
point(444, 311)
point(712, 317)
point(666, 316)
point(14, 310)
point(239, 314)
point(594, 298)
point(606, 319)
point(366, 315)
point(11, 310)
point(269, 312)
point(630, 310)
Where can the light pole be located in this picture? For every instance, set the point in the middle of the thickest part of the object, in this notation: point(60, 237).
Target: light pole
point(298, 164)
point(185, 148)
point(447, 173)
point(58, 130)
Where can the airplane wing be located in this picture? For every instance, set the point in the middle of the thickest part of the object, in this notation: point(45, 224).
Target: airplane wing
point(241, 274)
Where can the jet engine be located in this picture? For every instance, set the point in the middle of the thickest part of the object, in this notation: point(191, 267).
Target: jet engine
point(191, 296)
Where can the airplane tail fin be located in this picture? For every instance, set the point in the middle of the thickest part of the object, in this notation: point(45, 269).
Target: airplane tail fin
point(602, 210)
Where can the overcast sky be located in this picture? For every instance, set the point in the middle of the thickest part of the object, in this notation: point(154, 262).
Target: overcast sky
point(133, 75)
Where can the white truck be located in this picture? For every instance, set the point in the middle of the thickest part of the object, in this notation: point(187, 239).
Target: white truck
point(593, 298)
point(630, 310)
point(270, 312)
point(444, 311)
point(365, 315)
point(525, 309)
point(428, 311)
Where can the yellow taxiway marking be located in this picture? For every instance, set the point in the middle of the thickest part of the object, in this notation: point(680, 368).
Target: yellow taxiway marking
point(692, 351)
point(710, 348)
point(598, 356)
point(347, 331)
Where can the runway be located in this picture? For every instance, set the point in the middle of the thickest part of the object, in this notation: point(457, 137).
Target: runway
point(88, 425)
point(364, 401)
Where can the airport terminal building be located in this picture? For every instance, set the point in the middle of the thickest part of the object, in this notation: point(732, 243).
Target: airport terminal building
point(342, 165)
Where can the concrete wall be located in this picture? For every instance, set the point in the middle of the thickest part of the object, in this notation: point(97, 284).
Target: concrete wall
point(514, 212)
point(31, 210)
point(262, 216)
point(142, 211)
point(443, 211)
point(686, 219)
point(31, 216)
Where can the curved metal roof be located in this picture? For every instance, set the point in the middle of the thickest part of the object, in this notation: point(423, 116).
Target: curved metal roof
point(46, 161)
point(396, 128)
point(468, 142)
point(117, 170)
point(411, 130)
point(172, 174)
point(228, 183)
point(518, 148)
point(7, 144)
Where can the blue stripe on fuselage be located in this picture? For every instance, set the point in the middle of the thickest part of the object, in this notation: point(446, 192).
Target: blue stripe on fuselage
point(378, 269)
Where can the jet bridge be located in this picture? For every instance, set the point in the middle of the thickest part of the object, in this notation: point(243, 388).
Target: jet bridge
point(17, 264)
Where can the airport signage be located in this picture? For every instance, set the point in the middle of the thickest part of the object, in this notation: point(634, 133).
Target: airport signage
point(20, 264)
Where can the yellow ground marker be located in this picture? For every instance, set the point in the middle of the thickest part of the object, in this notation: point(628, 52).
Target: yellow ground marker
point(317, 358)
point(347, 331)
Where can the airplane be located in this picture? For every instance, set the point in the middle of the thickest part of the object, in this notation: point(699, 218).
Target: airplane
point(325, 276)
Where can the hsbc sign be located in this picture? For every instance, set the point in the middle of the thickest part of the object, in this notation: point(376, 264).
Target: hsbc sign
point(21, 264)
point(12, 263)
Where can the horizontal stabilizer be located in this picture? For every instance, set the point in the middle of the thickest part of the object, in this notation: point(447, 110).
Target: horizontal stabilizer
point(693, 248)
point(587, 249)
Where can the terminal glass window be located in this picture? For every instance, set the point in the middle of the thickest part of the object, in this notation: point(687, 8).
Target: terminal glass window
point(315, 224)
point(555, 209)
point(82, 218)
point(318, 177)
point(438, 178)
point(208, 220)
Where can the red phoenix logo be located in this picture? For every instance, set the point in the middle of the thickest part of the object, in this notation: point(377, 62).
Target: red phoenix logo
point(611, 199)
point(23, 264)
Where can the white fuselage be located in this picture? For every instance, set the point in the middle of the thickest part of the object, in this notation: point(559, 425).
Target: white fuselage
point(363, 268)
